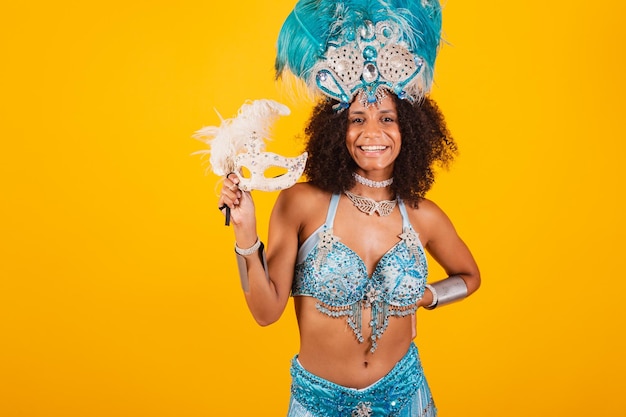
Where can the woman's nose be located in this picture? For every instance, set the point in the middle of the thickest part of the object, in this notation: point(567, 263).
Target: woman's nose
point(371, 129)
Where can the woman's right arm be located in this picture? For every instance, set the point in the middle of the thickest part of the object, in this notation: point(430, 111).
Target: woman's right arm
point(266, 292)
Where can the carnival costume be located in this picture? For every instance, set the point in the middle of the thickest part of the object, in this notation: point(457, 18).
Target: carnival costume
point(403, 392)
point(337, 277)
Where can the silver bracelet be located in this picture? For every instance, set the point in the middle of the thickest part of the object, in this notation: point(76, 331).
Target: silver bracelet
point(242, 264)
point(250, 250)
point(447, 291)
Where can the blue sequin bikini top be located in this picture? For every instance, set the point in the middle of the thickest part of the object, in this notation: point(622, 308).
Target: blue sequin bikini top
point(337, 277)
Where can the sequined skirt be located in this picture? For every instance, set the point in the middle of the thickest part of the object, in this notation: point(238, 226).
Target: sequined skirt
point(403, 392)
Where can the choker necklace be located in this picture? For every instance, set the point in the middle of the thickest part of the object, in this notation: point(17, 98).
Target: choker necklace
point(370, 206)
point(373, 184)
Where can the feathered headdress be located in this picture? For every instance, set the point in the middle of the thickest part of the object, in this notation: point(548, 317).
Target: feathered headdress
point(341, 48)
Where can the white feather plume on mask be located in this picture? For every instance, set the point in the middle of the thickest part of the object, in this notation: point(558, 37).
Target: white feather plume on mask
point(253, 122)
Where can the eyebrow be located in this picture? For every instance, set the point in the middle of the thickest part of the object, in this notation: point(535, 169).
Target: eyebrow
point(359, 112)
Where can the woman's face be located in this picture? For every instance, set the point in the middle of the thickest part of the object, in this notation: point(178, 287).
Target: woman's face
point(373, 138)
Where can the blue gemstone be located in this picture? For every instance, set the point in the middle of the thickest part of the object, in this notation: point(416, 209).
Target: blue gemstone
point(370, 53)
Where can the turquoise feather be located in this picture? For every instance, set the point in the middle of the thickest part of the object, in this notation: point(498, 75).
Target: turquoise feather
point(313, 25)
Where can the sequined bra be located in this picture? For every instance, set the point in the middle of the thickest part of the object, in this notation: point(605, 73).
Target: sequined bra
point(337, 277)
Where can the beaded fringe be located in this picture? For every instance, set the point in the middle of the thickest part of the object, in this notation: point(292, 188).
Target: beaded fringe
point(381, 311)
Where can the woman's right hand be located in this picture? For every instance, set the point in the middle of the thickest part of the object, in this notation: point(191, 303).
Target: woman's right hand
point(242, 212)
point(230, 194)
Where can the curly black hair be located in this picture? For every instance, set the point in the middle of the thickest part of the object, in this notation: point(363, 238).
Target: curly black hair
point(426, 141)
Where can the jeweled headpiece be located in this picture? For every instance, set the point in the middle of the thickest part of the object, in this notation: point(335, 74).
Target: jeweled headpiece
point(366, 47)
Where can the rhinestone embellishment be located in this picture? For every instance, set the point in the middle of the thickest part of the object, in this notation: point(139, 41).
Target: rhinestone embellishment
point(362, 410)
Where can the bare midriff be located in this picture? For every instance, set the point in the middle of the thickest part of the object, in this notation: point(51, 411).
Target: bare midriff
point(330, 350)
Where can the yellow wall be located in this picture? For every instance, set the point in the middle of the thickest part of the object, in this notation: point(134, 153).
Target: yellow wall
point(118, 295)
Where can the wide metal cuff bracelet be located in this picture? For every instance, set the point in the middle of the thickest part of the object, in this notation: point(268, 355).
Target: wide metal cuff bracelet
point(448, 291)
point(242, 266)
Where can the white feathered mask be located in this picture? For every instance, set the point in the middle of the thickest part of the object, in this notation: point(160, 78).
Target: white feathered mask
point(239, 143)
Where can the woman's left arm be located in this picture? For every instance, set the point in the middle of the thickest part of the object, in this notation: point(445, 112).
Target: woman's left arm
point(447, 248)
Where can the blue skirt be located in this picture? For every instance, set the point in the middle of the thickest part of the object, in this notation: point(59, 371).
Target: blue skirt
point(403, 392)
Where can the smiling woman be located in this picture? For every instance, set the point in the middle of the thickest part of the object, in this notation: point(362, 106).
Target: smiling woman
point(356, 260)
point(350, 244)
point(423, 137)
point(373, 138)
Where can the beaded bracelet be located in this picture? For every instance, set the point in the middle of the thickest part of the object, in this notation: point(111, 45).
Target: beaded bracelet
point(250, 250)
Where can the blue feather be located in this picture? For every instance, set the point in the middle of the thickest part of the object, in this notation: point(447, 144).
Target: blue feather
point(313, 25)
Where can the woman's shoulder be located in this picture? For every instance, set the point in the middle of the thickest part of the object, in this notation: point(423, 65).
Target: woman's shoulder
point(303, 191)
point(423, 208)
point(427, 216)
point(301, 208)
point(303, 198)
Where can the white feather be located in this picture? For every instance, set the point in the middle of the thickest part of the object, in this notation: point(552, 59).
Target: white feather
point(253, 121)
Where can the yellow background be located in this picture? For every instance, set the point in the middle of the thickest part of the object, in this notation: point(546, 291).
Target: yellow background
point(118, 291)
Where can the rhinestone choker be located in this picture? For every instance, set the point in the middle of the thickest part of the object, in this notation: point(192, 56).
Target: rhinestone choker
point(372, 184)
point(370, 206)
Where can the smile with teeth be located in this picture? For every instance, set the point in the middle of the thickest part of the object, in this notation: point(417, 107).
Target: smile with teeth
point(373, 148)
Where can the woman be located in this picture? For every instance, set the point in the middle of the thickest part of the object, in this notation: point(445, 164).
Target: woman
point(349, 243)
point(375, 144)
